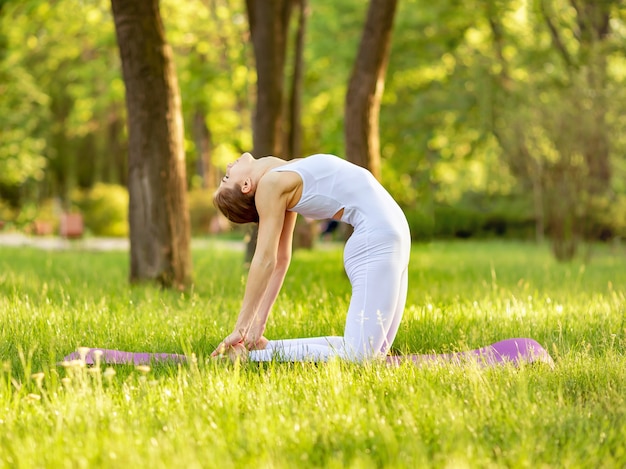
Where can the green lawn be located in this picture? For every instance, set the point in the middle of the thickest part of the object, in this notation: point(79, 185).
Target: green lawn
point(212, 414)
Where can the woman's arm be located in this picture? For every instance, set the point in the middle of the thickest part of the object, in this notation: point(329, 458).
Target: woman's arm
point(276, 281)
point(271, 201)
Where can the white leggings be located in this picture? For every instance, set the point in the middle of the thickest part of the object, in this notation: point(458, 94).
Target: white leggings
point(377, 266)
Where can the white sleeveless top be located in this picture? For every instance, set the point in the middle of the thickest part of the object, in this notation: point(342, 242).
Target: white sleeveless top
point(331, 184)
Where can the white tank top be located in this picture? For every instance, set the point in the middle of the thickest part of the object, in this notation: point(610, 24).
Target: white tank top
point(331, 184)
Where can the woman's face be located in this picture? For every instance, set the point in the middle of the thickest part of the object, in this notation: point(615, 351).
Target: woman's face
point(237, 171)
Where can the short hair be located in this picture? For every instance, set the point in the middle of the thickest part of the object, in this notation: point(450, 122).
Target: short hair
point(235, 205)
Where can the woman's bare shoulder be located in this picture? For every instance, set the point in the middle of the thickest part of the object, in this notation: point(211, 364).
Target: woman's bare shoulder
point(278, 185)
point(279, 180)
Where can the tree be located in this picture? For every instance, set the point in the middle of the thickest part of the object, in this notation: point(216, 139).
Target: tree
point(366, 86)
point(293, 131)
point(59, 71)
point(560, 144)
point(158, 214)
point(216, 71)
point(269, 26)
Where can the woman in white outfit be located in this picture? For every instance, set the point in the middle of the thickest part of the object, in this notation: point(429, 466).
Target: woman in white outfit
point(272, 191)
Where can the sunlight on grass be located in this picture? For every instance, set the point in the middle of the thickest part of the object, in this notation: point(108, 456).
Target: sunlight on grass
point(217, 414)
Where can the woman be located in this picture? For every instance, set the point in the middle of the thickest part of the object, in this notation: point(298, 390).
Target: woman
point(272, 191)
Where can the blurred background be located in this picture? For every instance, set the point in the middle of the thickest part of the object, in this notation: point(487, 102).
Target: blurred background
point(499, 118)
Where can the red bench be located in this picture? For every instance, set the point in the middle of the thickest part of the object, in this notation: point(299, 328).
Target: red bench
point(42, 228)
point(71, 225)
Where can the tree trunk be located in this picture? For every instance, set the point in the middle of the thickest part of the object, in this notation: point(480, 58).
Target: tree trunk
point(62, 165)
point(158, 213)
point(366, 87)
point(269, 26)
point(294, 126)
point(202, 138)
point(116, 167)
point(594, 26)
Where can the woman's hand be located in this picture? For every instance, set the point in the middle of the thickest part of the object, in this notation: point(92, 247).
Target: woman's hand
point(231, 341)
point(239, 342)
point(260, 344)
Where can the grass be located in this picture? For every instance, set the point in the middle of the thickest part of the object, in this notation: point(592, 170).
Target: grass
point(219, 415)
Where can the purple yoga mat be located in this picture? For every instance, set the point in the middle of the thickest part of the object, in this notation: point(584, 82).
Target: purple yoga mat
point(117, 357)
point(513, 351)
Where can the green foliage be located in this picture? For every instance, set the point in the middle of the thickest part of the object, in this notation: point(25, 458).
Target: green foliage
point(213, 414)
point(421, 223)
point(475, 216)
point(105, 209)
point(27, 216)
point(22, 149)
point(617, 216)
point(328, 66)
point(63, 82)
point(607, 218)
point(201, 211)
point(458, 221)
point(21, 153)
point(216, 73)
point(479, 99)
point(7, 213)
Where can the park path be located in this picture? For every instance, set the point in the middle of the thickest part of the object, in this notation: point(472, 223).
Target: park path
point(56, 243)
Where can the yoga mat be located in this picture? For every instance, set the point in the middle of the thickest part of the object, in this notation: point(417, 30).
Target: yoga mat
point(512, 351)
point(117, 357)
